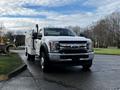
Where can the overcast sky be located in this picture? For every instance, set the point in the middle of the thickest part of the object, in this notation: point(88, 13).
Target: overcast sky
point(24, 14)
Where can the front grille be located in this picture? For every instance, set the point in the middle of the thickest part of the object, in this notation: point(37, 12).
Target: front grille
point(67, 51)
point(72, 57)
point(73, 47)
point(72, 42)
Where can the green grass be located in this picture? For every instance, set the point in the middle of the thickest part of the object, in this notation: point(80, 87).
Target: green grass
point(107, 51)
point(9, 63)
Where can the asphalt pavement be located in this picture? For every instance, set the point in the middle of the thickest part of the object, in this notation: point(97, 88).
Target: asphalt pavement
point(103, 75)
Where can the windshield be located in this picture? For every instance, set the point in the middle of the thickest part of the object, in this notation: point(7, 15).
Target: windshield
point(58, 32)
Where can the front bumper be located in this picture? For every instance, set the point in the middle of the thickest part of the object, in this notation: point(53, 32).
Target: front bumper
point(69, 57)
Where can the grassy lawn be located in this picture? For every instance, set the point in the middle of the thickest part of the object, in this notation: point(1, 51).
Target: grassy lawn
point(9, 63)
point(108, 51)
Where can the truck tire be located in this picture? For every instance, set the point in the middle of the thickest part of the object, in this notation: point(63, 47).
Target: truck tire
point(87, 65)
point(28, 57)
point(26, 53)
point(31, 57)
point(44, 62)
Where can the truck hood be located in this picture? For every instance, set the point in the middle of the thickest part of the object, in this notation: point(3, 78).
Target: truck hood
point(65, 38)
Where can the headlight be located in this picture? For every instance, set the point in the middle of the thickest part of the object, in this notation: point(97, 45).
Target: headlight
point(54, 46)
point(90, 46)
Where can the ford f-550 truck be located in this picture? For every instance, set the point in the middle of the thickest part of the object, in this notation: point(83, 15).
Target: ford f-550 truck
point(58, 46)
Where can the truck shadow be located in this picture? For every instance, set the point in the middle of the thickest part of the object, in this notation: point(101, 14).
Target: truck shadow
point(68, 77)
point(63, 69)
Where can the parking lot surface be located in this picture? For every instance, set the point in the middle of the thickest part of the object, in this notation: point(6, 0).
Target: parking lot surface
point(103, 75)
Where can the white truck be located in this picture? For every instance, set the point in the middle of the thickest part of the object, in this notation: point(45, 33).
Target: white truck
point(58, 46)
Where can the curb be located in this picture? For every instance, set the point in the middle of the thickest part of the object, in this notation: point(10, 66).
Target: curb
point(17, 71)
point(13, 73)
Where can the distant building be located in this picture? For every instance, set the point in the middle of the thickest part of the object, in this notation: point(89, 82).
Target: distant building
point(19, 40)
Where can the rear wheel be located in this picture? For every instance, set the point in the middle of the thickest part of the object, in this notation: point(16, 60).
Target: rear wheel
point(26, 54)
point(30, 57)
point(44, 62)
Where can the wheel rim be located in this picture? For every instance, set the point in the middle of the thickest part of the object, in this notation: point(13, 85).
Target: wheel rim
point(42, 62)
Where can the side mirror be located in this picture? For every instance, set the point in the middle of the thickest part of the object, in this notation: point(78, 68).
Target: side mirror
point(34, 36)
point(39, 35)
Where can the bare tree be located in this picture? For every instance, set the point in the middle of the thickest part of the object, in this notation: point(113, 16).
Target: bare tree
point(10, 36)
point(114, 27)
point(105, 32)
point(76, 29)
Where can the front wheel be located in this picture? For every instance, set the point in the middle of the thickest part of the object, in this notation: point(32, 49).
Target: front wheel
point(44, 62)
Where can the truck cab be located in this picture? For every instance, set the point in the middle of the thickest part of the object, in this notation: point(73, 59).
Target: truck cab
point(58, 46)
